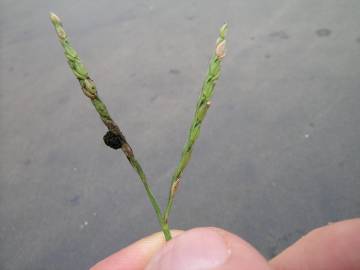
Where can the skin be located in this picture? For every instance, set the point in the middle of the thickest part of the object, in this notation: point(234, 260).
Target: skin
point(332, 247)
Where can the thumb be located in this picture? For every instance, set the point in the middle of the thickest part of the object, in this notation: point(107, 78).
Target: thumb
point(207, 248)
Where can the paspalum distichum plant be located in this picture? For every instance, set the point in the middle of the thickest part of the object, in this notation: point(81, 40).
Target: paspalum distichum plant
point(115, 138)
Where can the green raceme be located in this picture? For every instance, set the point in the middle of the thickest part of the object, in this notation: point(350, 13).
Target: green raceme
point(89, 89)
point(202, 106)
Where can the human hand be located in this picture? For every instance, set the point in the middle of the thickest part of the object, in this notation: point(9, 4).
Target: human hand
point(332, 247)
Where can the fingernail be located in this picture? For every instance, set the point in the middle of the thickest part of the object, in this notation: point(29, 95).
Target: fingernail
point(193, 250)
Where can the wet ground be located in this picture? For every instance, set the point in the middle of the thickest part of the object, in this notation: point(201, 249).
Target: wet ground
point(279, 152)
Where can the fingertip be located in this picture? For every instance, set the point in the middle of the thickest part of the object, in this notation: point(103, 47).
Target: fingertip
point(207, 248)
point(334, 246)
point(137, 255)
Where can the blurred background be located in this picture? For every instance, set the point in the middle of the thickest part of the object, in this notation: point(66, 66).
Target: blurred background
point(279, 152)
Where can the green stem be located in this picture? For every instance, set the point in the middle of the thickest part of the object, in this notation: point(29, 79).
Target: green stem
point(165, 228)
point(202, 107)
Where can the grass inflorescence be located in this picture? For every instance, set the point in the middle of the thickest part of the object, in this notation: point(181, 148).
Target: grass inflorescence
point(115, 138)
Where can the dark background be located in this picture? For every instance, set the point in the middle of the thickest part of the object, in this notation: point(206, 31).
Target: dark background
point(279, 152)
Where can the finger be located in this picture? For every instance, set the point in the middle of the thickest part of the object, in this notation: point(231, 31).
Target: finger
point(135, 256)
point(332, 247)
point(207, 248)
